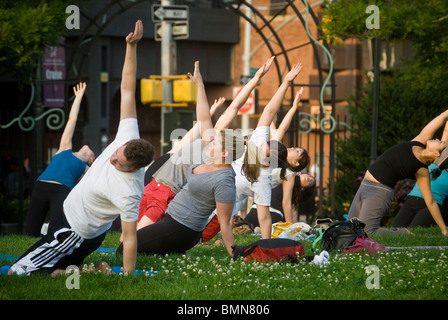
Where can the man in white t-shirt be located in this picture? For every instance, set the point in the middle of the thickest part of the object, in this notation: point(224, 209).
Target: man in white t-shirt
point(112, 187)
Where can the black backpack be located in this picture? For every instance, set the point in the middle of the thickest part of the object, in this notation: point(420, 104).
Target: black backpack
point(341, 234)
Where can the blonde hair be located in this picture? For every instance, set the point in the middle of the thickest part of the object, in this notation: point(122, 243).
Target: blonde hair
point(251, 165)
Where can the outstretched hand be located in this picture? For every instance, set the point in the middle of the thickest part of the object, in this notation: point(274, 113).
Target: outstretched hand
point(292, 74)
point(217, 104)
point(196, 77)
point(135, 36)
point(297, 99)
point(265, 67)
point(80, 89)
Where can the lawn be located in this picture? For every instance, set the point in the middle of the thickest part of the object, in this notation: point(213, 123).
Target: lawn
point(207, 273)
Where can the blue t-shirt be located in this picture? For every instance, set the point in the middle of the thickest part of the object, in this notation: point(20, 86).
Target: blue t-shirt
point(439, 187)
point(64, 168)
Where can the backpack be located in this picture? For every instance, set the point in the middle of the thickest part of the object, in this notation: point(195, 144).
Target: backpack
point(266, 250)
point(363, 244)
point(341, 234)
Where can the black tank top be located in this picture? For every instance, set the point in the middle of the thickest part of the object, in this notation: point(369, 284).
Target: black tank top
point(397, 163)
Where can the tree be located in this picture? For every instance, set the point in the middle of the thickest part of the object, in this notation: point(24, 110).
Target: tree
point(409, 97)
point(26, 28)
point(423, 22)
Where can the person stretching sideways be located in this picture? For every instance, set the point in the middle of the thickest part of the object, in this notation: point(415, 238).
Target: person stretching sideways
point(112, 187)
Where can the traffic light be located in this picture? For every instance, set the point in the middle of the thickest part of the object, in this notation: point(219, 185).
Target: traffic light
point(184, 91)
point(151, 90)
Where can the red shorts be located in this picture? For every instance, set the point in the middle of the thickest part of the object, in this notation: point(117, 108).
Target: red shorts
point(155, 200)
point(211, 230)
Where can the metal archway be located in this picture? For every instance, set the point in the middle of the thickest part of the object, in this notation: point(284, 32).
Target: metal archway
point(115, 8)
point(325, 118)
point(326, 122)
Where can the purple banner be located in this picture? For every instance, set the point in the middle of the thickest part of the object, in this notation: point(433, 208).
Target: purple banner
point(53, 76)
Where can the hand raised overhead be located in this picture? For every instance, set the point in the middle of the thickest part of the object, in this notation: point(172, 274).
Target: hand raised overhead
point(135, 36)
point(292, 74)
point(196, 77)
point(297, 99)
point(80, 89)
point(265, 67)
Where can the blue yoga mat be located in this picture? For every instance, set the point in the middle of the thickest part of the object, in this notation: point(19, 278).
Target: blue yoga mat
point(115, 269)
point(101, 249)
point(4, 270)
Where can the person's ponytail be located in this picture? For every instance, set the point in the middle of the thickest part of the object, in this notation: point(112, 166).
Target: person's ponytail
point(251, 164)
point(442, 164)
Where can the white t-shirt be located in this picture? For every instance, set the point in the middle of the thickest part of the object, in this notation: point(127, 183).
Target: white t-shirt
point(276, 179)
point(104, 193)
point(260, 190)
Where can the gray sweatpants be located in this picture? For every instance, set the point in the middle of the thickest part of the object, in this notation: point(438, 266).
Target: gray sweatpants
point(369, 205)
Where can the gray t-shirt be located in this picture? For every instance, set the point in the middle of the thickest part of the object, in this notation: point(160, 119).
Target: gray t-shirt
point(194, 203)
point(174, 171)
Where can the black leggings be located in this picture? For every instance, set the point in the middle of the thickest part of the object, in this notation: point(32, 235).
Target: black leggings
point(46, 196)
point(252, 218)
point(164, 237)
point(414, 213)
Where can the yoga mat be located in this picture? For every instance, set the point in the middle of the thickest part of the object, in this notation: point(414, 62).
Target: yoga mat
point(4, 270)
point(101, 249)
point(8, 257)
point(115, 269)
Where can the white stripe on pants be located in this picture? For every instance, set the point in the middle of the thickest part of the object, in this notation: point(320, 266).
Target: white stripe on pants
point(48, 253)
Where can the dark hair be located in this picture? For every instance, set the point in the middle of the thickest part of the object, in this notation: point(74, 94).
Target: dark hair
point(304, 161)
point(442, 164)
point(139, 153)
point(278, 157)
point(300, 194)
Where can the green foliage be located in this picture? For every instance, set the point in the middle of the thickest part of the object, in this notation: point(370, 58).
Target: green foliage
point(409, 98)
point(26, 28)
point(10, 208)
point(399, 19)
point(423, 22)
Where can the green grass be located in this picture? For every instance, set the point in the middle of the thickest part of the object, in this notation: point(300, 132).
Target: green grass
point(206, 273)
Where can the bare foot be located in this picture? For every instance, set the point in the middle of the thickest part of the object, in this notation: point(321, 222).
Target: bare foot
point(104, 268)
point(57, 272)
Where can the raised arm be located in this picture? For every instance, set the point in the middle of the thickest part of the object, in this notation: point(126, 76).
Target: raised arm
point(445, 132)
point(424, 184)
point(274, 104)
point(194, 133)
point(286, 122)
point(288, 210)
point(202, 108)
point(431, 128)
point(231, 112)
point(128, 81)
point(67, 135)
